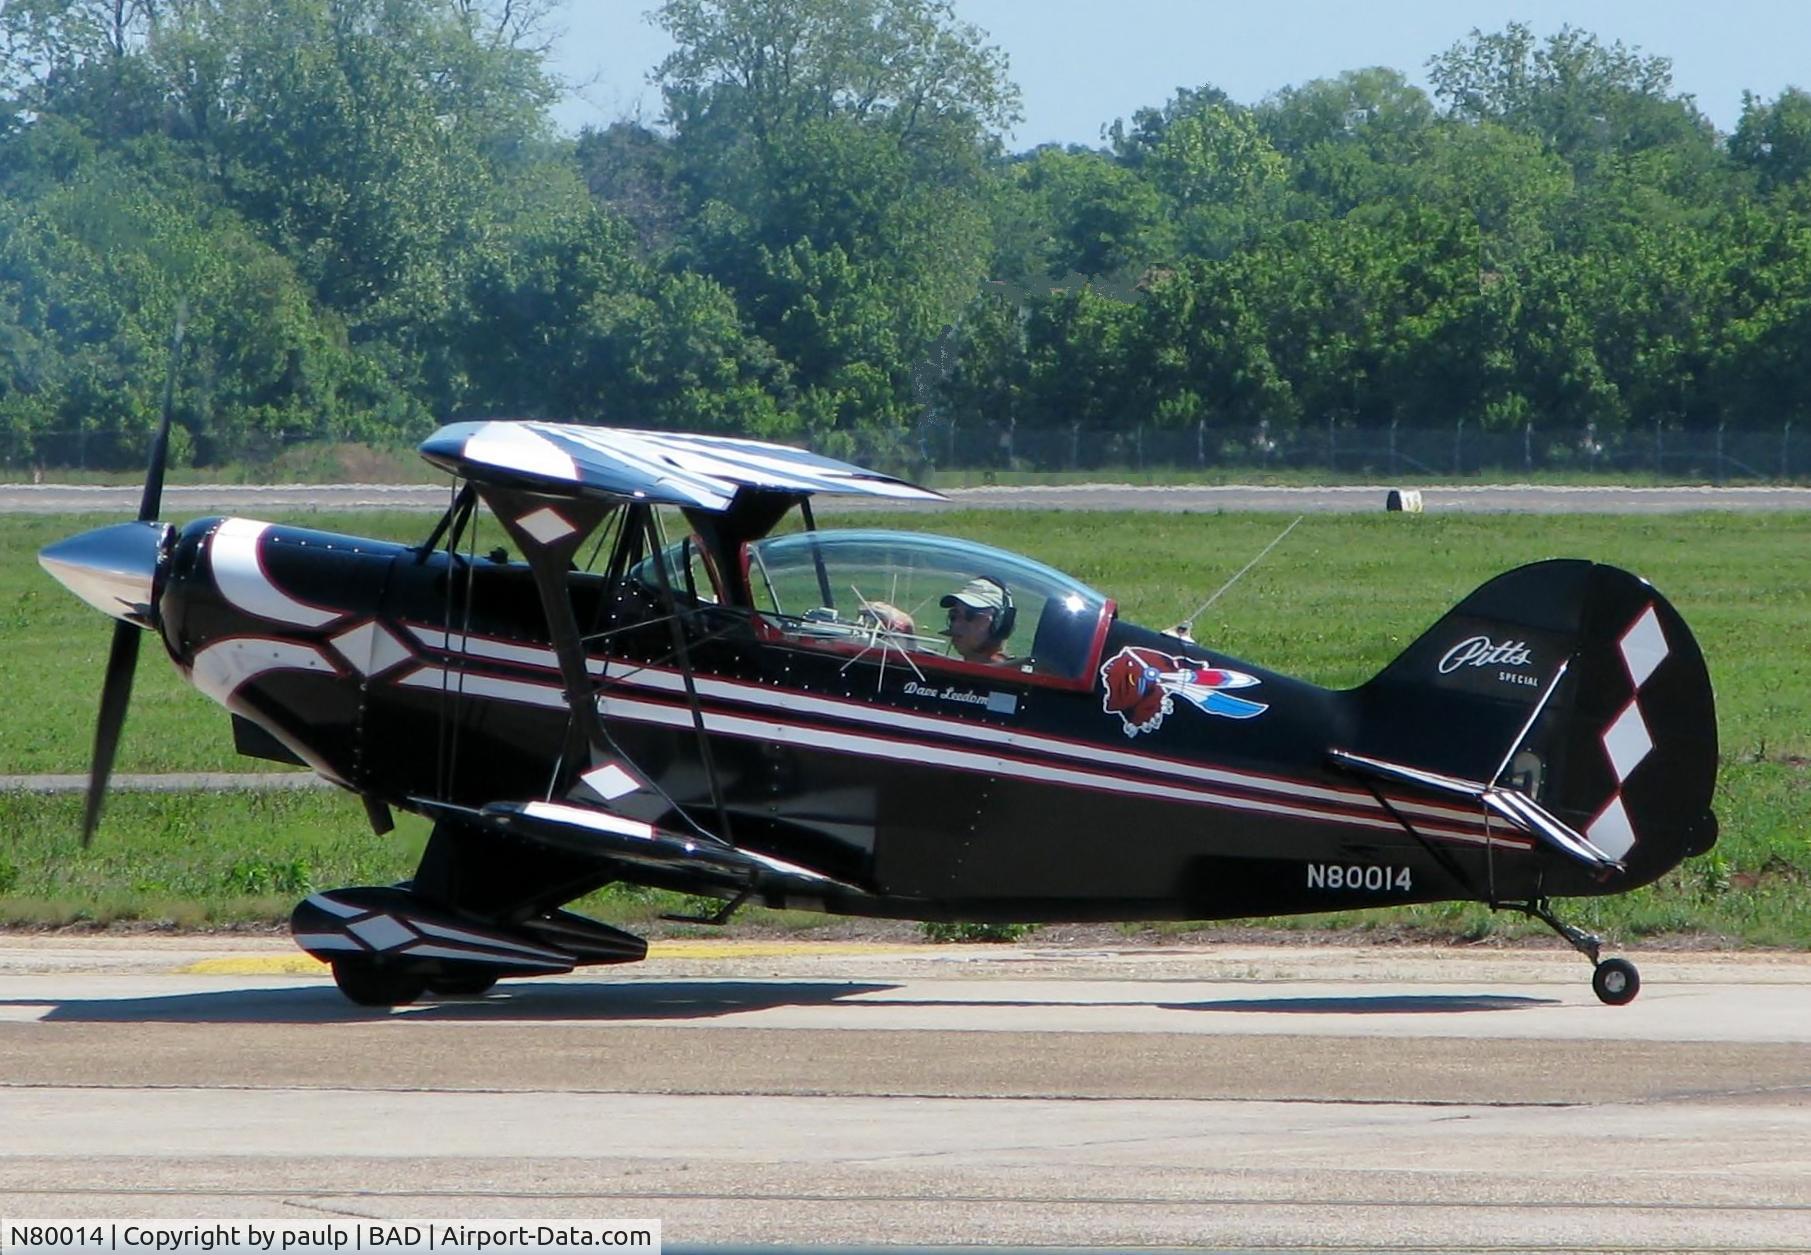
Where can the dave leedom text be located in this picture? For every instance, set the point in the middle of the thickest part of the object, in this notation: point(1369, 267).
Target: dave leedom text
point(390, 1237)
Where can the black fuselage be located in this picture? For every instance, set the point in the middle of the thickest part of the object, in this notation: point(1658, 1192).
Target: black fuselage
point(939, 790)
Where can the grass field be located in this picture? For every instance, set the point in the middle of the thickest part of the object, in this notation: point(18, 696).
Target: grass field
point(1333, 603)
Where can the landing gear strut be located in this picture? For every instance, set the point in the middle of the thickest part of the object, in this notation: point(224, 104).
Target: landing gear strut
point(1614, 981)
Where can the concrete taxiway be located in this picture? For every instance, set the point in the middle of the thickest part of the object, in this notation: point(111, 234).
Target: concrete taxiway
point(1245, 1098)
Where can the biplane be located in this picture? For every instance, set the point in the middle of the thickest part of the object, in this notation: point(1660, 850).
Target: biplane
point(672, 676)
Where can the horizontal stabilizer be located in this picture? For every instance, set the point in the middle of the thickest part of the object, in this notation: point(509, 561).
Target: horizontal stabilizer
point(1518, 809)
point(602, 834)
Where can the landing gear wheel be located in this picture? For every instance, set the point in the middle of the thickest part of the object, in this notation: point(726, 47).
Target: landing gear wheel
point(462, 985)
point(370, 985)
point(1616, 981)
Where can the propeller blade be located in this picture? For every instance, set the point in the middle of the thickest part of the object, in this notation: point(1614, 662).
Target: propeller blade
point(122, 658)
point(160, 446)
point(116, 692)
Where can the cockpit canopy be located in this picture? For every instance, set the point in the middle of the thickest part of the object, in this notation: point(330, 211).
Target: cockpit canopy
point(883, 591)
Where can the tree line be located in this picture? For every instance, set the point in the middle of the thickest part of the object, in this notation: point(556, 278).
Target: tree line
point(374, 227)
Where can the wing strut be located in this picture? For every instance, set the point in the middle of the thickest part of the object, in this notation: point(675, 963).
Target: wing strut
point(451, 524)
point(1447, 862)
point(683, 656)
point(817, 553)
point(549, 532)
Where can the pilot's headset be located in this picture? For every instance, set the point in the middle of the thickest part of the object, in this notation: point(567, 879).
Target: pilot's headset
point(986, 592)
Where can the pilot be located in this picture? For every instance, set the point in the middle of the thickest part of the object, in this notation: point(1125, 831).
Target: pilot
point(981, 618)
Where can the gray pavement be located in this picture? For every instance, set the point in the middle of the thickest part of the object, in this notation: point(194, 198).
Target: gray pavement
point(1232, 1097)
point(166, 782)
point(188, 501)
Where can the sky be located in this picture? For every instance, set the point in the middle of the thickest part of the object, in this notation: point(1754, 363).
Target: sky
point(1080, 64)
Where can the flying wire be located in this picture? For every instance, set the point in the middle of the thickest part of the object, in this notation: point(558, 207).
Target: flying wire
point(1200, 610)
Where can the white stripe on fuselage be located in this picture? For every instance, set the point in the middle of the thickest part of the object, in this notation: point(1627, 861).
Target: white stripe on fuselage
point(662, 680)
point(918, 752)
point(240, 575)
point(220, 668)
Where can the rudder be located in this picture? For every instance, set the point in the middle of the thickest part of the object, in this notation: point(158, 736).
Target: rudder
point(1576, 683)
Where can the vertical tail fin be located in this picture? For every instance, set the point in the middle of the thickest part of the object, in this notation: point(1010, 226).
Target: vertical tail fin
point(1576, 684)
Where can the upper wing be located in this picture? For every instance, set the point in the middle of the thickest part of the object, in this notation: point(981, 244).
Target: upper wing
point(661, 468)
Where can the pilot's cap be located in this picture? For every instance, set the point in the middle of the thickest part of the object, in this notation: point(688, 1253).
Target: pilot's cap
point(978, 594)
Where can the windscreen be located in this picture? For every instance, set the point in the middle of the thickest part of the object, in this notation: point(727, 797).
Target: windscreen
point(904, 589)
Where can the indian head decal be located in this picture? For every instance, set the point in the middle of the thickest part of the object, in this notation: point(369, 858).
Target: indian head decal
point(1142, 685)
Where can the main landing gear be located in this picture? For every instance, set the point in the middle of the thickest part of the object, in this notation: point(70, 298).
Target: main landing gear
point(379, 984)
point(1614, 981)
point(390, 945)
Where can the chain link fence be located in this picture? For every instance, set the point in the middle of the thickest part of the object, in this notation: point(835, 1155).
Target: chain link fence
point(1462, 450)
point(23, 455)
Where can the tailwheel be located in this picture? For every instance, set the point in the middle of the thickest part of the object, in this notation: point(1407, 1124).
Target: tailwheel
point(461, 984)
point(1616, 981)
point(375, 984)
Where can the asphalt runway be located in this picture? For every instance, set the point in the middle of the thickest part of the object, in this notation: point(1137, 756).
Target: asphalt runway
point(1250, 1099)
point(183, 501)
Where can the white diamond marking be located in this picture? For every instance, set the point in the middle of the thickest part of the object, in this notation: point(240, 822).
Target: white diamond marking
point(1611, 831)
point(1643, 646)
point(1627, 741)
point(546, 525)
point(610, 782)
point(371, 648)
point(381, 932)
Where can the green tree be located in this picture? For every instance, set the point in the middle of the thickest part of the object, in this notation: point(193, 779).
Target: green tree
point(85, 359)
point(906, 65)
point(1773, 138)
point(1349, 140)
point(1376, 107)
point(565, 320)
point(1573, 93)
point(1080, 347)
point(831, 160)
point(1135, 142)
point(634, 171)
point(1222, 176)
point(1095, 216)
point(348, 156)
point(1763, 261)
point(1203, 353)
